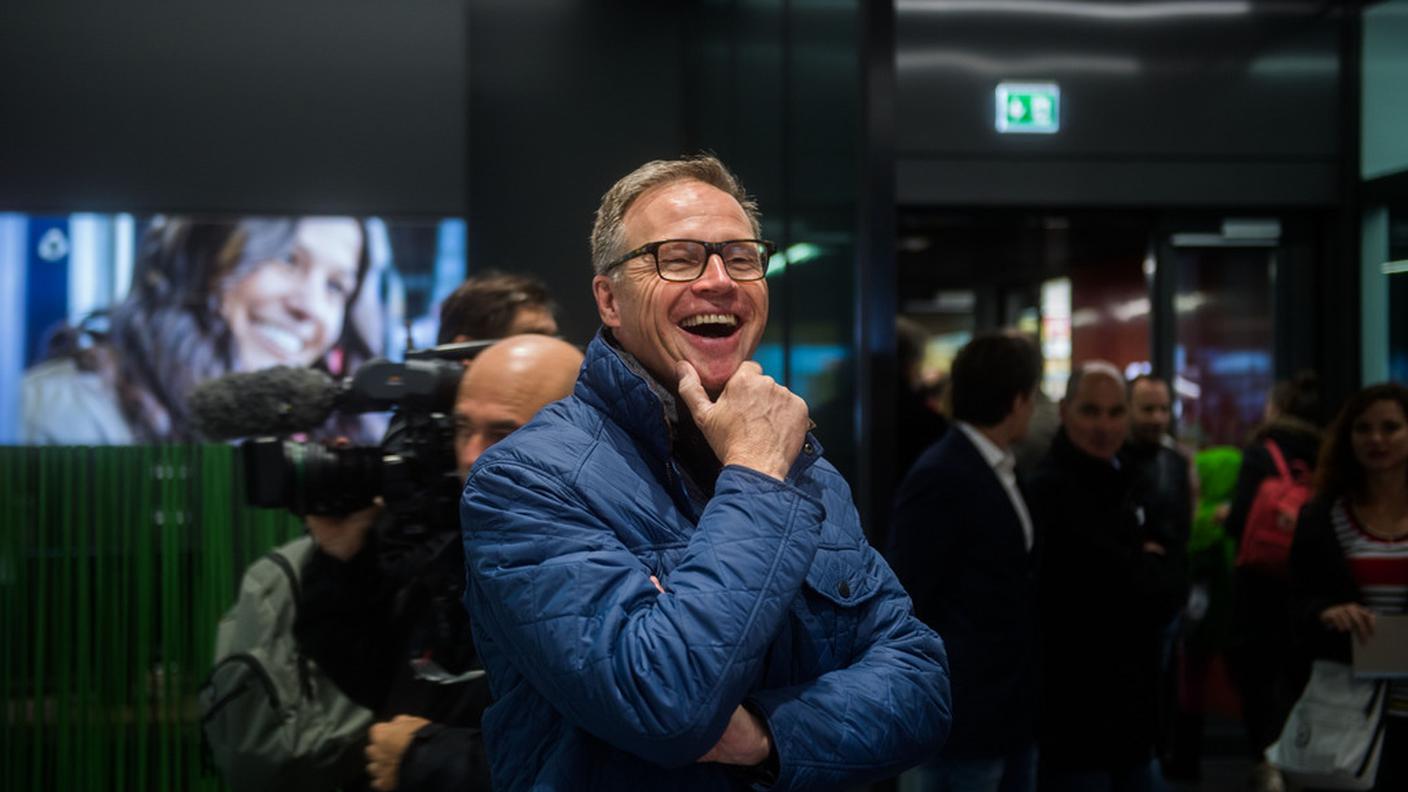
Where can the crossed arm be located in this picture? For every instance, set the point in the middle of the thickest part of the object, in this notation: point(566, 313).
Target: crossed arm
point(661, 674)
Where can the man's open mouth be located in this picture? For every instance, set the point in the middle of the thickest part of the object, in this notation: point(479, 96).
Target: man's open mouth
point(711, 325)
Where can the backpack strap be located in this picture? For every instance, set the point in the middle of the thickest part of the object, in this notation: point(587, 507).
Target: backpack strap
point(286, 566)
point(305, 674)
point(1278, 459)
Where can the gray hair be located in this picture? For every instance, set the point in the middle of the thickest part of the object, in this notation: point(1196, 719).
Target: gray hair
point(608, 233)
point(1092, 368)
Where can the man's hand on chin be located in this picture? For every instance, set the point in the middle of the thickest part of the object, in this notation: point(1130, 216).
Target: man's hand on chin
point(745, 741)
point(755, 422)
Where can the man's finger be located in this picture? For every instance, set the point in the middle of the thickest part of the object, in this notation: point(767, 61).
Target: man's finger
point(691, 392)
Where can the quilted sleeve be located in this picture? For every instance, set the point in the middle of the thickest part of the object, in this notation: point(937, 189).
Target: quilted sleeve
point(885, 712)
point(654, 674)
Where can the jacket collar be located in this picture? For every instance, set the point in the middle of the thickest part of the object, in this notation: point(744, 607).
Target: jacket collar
point(1066, 455)
point(996, 458)
point(618, 385)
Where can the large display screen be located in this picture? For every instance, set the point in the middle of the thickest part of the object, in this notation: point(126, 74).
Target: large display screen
point(109, 321)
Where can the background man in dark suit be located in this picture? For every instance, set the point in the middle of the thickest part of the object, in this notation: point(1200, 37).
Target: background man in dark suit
point(1109, 586)
point(963, 544)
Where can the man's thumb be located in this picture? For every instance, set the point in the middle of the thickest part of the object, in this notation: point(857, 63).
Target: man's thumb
point(691, 392)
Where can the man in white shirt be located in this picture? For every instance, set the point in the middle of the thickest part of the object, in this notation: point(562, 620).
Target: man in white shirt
point(963, 544)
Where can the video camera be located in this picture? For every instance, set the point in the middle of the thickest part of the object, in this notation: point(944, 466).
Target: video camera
point(413, 470)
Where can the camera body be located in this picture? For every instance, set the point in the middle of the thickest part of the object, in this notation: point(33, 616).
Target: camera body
point(413, 470)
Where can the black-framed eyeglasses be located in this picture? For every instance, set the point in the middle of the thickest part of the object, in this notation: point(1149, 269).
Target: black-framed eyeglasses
point(683, 260)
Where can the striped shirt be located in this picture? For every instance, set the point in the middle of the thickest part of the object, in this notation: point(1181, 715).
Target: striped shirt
point(1380, 567)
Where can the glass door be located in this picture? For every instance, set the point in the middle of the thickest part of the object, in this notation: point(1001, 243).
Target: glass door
point(1223, 334)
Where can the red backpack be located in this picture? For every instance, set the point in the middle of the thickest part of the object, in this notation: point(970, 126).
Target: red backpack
point(1271, 523)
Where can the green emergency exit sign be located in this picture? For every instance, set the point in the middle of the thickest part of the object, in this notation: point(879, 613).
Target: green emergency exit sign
point(1028, 108)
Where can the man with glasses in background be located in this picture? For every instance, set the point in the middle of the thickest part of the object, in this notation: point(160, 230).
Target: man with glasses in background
point(669, 585)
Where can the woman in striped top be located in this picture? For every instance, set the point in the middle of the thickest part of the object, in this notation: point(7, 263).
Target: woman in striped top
point(1349, 561)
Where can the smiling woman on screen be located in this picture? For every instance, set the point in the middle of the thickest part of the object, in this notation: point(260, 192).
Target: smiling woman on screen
point(207, 299)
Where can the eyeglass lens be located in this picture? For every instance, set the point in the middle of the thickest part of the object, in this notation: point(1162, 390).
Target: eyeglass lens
point(685, 260)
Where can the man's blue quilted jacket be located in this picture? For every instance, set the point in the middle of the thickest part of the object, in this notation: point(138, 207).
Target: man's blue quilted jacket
point(772, 596)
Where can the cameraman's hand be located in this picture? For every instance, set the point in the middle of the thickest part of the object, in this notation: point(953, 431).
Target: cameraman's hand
point(386, 746)
point(755, 422)
point(343, 536)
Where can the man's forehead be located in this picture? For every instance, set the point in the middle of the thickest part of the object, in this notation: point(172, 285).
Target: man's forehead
point(1151, 390)
point(1099, 390)
point(489, 407)
point(532, 319)
point(686, 199)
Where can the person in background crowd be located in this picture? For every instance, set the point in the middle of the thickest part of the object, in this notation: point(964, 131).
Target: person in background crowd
point(494, 305)
point(1041, 429)
point(1208, 617)
point(669, 584)
point(963, 544)
point(1108, 587)
point(207, 299)
point(1164, 487)
point(380, 612)
point(1349, 560)
point(917, 424)
point(1261, 656)
point(1162, 472)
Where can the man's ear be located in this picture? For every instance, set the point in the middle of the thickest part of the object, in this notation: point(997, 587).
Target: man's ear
point(1021, 401)
point(604, 291)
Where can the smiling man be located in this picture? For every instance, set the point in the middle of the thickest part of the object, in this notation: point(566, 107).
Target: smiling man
point(669, 585)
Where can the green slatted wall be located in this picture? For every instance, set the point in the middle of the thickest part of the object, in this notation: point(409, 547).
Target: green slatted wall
point(115, 565)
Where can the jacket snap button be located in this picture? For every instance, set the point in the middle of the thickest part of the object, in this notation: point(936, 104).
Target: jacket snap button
point(807, 448)
point(843, 588)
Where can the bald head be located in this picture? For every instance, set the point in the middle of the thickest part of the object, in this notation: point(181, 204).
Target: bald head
point(507, 385)
point(1094, 413)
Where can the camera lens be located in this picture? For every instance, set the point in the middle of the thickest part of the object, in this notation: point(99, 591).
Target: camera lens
point(307, 478)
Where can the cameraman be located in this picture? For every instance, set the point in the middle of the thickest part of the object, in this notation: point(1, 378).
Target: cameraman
point(487, 307)
point(381, 612)
point(496, 305)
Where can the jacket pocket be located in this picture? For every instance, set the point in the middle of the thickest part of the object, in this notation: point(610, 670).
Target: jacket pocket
point(840, 575)
point(838, 588)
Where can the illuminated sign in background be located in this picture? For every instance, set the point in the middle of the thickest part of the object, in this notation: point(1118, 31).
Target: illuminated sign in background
point(1028, 108)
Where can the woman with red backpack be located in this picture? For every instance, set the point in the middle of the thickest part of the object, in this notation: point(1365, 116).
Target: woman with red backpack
point(1276, 470)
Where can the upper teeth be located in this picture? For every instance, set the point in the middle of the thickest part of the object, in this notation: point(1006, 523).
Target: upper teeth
point(699, 319)
point(290, 343)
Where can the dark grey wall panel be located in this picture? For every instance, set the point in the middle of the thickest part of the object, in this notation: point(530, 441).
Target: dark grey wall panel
point(1033, 182)
point(566, 96)
point(262, 105)
point(1253, 85)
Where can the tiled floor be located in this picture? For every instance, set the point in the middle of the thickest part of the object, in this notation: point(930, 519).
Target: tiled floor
point(1225, 766)
point(1220, 774)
